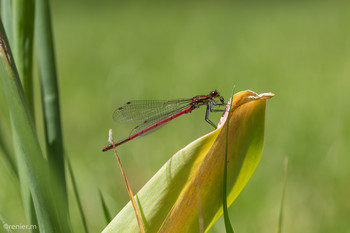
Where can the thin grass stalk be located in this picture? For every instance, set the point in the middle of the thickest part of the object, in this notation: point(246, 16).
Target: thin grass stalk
point(106, 212)
point(228, 225)
point(280, 219)
point(128, 188)
point(130, 193)
point(77, 197)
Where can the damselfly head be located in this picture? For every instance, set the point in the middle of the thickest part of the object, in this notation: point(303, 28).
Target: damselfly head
point(215, 94)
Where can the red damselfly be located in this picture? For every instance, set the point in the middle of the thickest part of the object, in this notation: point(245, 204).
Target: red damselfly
point(151, 114)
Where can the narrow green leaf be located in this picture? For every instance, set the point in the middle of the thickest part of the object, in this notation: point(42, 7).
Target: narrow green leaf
point(49, 89)
point(6, 16)
point(187, 191)
point(9, 17)
point(26, 144)
point(50, 102)
point(8, 157)
point(23, 31)
point(228, 225)
point(106, 212)
point(280, 221)
point(77, 197)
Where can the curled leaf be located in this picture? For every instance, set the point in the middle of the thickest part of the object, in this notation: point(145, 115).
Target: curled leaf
point(185, 195)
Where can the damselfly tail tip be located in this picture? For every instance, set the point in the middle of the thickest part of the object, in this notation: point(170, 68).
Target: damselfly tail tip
point(107, 147)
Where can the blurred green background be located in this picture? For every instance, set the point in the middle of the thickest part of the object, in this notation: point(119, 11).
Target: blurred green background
point(111, 52)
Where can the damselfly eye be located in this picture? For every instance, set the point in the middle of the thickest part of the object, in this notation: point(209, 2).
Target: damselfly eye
point(214, 93)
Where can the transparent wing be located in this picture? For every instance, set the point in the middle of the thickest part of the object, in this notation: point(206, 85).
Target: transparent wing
point(139, 111)
point(156, 118)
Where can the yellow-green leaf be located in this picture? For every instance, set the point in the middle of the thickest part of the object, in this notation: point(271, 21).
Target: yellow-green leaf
point(185, 195)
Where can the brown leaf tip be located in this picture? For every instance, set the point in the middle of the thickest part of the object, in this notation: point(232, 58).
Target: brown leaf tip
point(242, 98)
point(256, 96)
point(5, 49)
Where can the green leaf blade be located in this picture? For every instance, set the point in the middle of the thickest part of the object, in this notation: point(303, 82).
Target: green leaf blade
point(6, 17)
point(23, 29)
point(49, 89)
point(23, 36)
point(106, 212)
point(228, 226)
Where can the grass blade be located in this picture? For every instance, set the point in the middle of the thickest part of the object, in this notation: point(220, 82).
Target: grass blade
point(6, 16)
point(23, 30)
point(76, 194)
point(23, 33)
point(9, 17)
point(50, 102)
point(106, 212)
point(280, 221)
point(228, 225)
point(7, 155)
point(49, 89)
